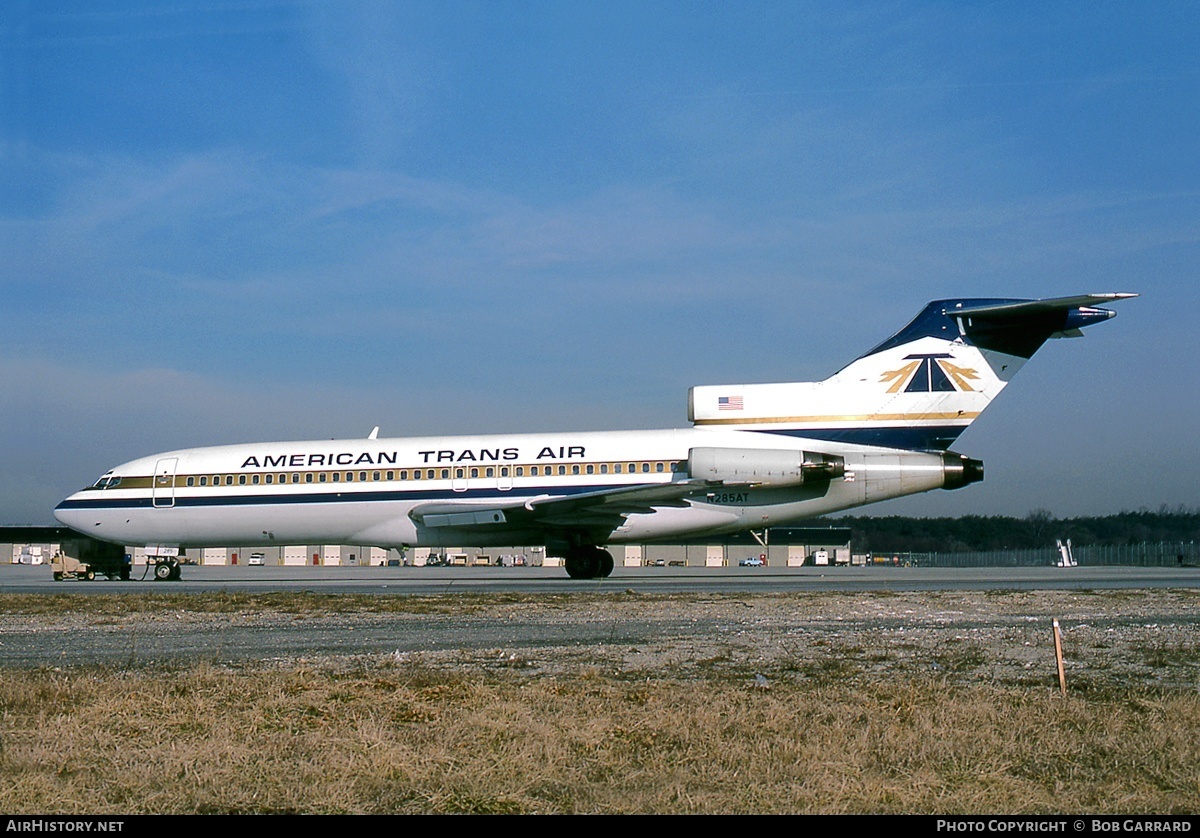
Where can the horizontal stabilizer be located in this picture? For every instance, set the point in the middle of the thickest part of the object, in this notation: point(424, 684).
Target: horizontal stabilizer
point(1013, 327)
point(1018, 308)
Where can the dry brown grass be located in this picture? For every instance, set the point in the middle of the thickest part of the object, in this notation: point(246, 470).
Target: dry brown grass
point(951, 709)
point(388, 736)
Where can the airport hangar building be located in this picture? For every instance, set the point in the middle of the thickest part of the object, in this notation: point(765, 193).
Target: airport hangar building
point(778, 547)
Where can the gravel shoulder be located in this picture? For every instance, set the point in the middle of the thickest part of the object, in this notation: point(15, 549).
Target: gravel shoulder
point(1150, 638)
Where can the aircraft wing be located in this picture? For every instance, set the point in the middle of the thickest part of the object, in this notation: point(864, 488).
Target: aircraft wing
point(605, 508)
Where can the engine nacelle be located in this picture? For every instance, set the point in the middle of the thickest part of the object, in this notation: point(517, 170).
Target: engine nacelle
point(960, 471)
point(763, 466)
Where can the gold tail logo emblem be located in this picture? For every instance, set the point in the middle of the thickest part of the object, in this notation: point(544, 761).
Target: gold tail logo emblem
point(930, 374)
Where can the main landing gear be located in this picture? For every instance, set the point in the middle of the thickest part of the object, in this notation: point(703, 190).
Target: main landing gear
point(588, 562)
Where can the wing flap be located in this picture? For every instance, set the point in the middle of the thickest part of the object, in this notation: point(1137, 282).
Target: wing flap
point(465, 518)
point(604, 507)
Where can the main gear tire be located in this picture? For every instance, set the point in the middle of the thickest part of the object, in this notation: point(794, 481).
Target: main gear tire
point(583, 563)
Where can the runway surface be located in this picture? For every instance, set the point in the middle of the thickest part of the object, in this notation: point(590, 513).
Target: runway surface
point(528, 580)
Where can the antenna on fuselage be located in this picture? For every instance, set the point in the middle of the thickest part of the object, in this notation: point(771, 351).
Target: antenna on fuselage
point(374, 434)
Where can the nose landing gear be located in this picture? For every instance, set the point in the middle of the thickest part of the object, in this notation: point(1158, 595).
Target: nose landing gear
point(167, 570)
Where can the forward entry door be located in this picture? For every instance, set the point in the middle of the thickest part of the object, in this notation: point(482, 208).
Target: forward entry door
point(163, 489)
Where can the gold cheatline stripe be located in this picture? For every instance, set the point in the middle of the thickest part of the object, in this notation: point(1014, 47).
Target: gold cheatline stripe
point(671, 466)
point(876, 417)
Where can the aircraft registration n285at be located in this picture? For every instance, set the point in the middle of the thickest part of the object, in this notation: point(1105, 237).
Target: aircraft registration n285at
point(757, 455)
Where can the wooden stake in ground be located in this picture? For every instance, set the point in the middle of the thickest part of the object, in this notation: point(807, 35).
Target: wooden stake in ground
point(1058, 655)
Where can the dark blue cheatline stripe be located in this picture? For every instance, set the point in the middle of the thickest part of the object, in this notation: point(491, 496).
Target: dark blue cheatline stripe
point(338, 497)
point(929, 438)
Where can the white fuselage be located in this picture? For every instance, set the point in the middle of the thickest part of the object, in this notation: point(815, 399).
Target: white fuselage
point(362, 491)
point(758, 455)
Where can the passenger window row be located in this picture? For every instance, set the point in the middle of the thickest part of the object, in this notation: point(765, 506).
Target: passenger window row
point(440, 473)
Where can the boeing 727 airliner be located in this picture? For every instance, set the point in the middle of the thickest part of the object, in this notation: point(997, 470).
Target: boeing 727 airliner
point(757, 455)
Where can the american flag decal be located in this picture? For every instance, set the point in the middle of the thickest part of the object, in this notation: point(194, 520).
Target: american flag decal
point(729, 403)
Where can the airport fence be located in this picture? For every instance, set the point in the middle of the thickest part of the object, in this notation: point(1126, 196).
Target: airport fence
point(1160, 554)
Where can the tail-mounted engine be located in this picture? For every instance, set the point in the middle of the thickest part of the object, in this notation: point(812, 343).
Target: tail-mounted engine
point(763, 466)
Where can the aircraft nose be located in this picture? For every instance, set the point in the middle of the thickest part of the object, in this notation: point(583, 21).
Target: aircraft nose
point(71, 517)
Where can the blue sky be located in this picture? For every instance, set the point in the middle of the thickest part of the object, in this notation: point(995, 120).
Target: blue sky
point(229, 221)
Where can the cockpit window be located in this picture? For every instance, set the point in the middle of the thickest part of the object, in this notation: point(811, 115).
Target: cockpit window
point(108, 481)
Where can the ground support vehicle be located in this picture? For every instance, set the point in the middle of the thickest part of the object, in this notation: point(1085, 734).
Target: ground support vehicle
point(85, 560)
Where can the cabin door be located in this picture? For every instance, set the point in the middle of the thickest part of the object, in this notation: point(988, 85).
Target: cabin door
point(163, 488)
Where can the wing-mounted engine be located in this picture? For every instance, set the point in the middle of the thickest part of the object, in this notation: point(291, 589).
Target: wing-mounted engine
point(763, 466)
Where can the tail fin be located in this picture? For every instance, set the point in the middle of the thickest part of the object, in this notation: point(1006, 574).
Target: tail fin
point(920, 388)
